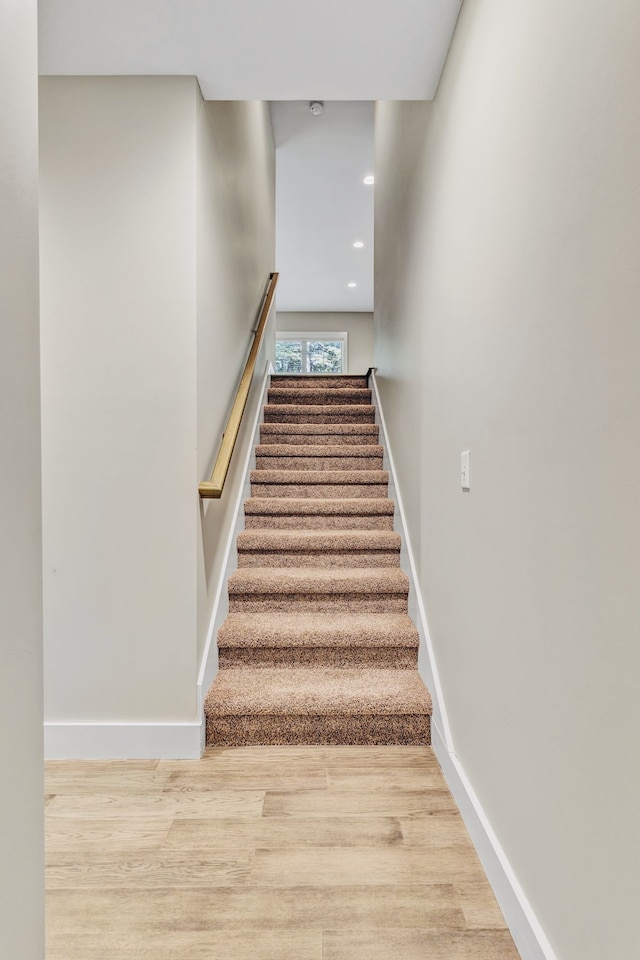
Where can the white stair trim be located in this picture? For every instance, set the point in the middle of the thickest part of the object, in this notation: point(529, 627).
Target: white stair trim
point(525, 928)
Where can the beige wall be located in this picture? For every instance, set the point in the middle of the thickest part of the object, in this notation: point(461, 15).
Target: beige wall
point(507, 302)
point(236, 253)
point(150, 284)
point(359, 326)
point(118, 289)
point(21, 819)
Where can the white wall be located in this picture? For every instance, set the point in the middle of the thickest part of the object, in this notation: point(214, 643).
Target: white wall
point(149, 290)
point(236, 251)
point(322, 205)
point(21, 819)
point(359, 327)
point(118, 389)
point(399, 351)
point(513, 278)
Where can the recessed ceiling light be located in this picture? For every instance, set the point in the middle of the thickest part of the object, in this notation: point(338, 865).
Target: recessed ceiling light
point(352, 284)
point(369, 180)
point(358, 244)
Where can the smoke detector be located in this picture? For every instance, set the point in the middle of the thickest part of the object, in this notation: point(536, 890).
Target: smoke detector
point(316, 107)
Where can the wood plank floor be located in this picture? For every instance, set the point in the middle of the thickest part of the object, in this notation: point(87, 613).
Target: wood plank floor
point(265, 853)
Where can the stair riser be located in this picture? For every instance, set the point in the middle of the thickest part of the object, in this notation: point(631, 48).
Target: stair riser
point(312, 602)
point(319, 451)
point(286, 414)
point(318, 508)
point(318, 439)
point(366, 658)
point(244, 731)
point(318, 463)
point(315, 382)
point(302, 522)
point(319, 397)
point(319, 491)
point(377, 558)
point(300, 543)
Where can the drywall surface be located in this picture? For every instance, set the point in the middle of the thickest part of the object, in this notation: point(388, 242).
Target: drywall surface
point(157, 239)
point(323, 206)
point(507, 301)
point(359, 327)
point(21, 818)
point(236, 241)
point(118, 275)
point(399, 351)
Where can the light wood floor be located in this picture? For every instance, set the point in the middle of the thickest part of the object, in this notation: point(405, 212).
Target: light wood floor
point(265, 853)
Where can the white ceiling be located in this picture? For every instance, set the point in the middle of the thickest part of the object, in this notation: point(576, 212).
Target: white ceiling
point(322, 205)
point(254, 49)
point(280, 50)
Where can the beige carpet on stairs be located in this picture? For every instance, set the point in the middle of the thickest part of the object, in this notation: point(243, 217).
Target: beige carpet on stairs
point(318, 646)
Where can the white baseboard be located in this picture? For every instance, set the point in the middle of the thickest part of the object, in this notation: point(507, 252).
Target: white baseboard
point(161, 741)
point(123, 741)
point(526, 931)
point(427, 665)
point(529, 937)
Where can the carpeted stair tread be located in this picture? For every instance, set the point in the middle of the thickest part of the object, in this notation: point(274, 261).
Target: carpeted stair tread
point(313, 381)
point(322, 433)
point(318, 413)
point(318, 629)
point(341, 477)
point(283, 456)
point(315, 429)
point(340, 581)
point(318, 450)
point(277, 506)
point(319, 483)
point(329, 541)
point(312, 521)
point(316, 490)
point(318, 692)
point(318, 548)
point(362, 513)
point(320, 396)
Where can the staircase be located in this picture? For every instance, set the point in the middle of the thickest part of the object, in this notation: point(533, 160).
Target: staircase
point(318, 646)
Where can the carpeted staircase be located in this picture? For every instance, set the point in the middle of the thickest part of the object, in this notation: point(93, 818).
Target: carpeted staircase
point(318, 646)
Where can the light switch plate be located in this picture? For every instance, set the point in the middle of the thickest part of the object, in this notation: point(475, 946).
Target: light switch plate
point(465, 477)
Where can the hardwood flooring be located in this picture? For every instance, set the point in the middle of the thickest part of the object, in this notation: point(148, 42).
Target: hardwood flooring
point(265, 853)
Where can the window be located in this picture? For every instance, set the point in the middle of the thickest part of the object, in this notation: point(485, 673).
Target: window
point(311, 352)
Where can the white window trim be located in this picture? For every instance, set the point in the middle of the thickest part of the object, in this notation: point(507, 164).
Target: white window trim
point(319, 335)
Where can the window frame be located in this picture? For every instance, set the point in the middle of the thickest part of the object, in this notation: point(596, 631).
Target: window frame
point(305, 336)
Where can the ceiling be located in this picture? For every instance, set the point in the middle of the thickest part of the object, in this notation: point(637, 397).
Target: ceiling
point(348, 53)
point(257, 50)
point(323, 206)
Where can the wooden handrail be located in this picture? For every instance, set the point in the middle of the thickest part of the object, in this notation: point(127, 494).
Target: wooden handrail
point(212, 489)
